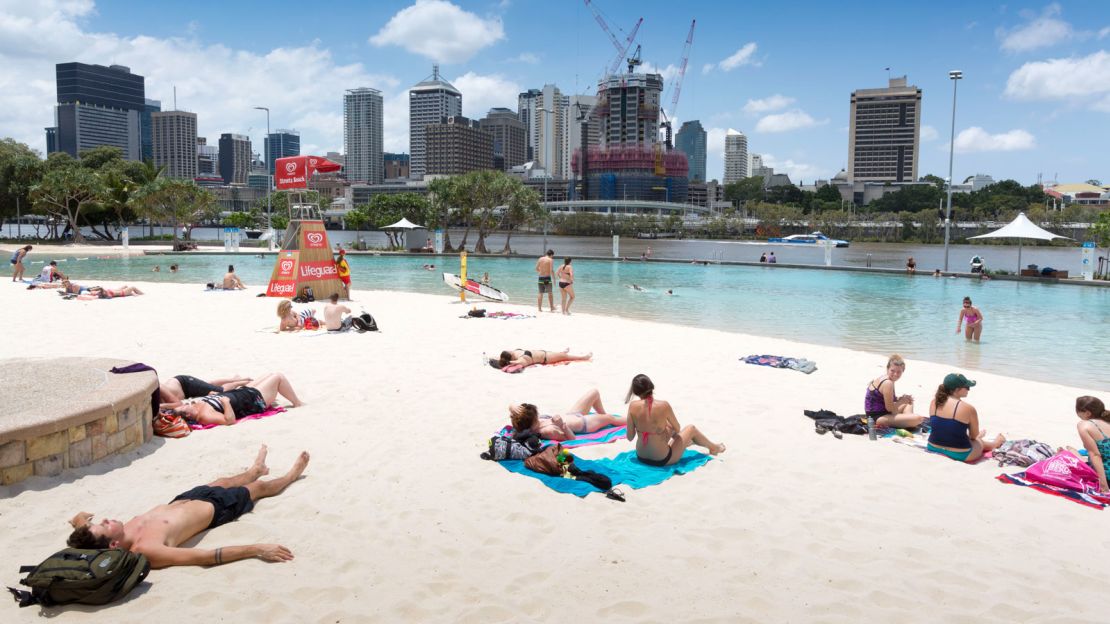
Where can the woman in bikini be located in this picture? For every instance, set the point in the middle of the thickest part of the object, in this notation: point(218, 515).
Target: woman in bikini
point(1094, 432)
point(576, 421)
point(109, 293)
point(880, 402)
point(290, 319)
point(974, 318)
point(526, 358)
point(662, 441)
point(228, 406)
point(955, 423)
point(565, 275)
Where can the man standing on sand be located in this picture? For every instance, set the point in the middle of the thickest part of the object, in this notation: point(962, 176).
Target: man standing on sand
point(333, 315)
point(543, 270)
point(159, 533)
point(344, 271)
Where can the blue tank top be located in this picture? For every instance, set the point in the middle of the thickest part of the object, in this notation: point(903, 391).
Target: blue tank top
point(949, 432)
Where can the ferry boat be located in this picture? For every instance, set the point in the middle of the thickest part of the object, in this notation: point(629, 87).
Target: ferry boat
point(809, 239)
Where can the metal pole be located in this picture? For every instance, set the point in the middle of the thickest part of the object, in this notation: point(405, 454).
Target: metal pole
point(955, 76)
point(269, 181)
point(18, 220)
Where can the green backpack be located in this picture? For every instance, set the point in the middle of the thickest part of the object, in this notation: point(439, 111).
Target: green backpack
point(93, 577)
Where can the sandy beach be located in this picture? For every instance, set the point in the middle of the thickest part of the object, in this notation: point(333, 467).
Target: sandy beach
point(398, 520)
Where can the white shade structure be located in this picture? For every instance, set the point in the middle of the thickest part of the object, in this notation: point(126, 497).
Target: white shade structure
point(405, 224)
point(1021, 228)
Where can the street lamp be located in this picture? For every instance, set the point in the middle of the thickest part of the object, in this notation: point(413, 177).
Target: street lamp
point(270, 181)
point(955, 75)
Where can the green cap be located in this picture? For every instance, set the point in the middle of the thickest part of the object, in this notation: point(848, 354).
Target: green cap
point(952, 381)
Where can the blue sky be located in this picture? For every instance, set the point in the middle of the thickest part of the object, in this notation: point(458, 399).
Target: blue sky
point(1035, 97)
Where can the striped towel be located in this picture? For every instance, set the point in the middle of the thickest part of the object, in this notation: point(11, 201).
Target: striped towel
point(605, 435)
point(1094, 501)
point(275, 409)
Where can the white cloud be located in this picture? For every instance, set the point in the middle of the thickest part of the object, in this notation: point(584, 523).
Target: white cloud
point(1041, 31)
point(526, 57)
point(669, 72)
point(302, 86)
point(481, 93)
point(715, 141)
point(767, 104)
point(1061, 79)
point(744, 56)
point(440, 31)
point(798, 172)
point(975, 139)
point(1104, 33)
point(795, 119)
point(928, 133)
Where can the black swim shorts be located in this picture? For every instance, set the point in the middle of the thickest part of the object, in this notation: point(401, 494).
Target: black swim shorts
point(227, 503)
point(193, 387)
point(545, 284)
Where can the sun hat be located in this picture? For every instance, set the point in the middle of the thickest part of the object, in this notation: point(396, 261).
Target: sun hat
point(952, 381)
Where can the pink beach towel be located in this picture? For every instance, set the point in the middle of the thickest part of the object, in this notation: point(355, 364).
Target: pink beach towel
point(276, 409)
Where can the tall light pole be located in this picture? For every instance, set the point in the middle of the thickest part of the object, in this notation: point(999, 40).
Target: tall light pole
point(955, 75)
point(270, 181)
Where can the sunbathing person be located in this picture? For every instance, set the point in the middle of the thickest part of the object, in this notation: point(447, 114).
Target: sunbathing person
point(578, 419)
point(526, 358)
point(159, 533)
point(955, 424)
point(228, 406)
point(112, 293)
point(880, 402)
point(180, 387)
point(290, 319)
point(660, 440)
point(1094, 432)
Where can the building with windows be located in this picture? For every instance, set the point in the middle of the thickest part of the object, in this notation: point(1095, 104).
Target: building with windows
point(430, 101)
point(691, 140)
point(544, 113)
point(208, 159)
point(174, 143)
point(96, 106)
point(235, 158)
point(629, 109)
point(736, 156)
point(362, 135)
point(579, 107)
point(884, 132)
point(146, 140)
point(281, 144)
point(510, 143)
point(457, 145)
point(396, 166)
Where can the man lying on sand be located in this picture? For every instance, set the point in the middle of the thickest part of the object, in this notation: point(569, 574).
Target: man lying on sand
point(159, 532)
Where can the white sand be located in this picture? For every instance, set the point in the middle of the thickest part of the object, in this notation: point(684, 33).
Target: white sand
point(398, 520)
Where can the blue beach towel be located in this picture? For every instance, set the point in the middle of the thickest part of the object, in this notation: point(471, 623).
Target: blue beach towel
point(623, 469)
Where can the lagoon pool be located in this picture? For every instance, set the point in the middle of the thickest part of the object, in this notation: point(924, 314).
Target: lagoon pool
point(1041, 331)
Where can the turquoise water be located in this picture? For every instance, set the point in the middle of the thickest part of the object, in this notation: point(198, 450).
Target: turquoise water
point(1036, 331)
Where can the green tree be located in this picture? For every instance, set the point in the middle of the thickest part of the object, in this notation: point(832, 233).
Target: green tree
point(99, 157)
point(1100, 229)
point(746, 190)
point(934, 180)
point(828, 193)
point(357, 217)
point(522, 207)
point(241, 220)
point(20, 169)
point(66, 191)
point(440, 194)
point(180, 202)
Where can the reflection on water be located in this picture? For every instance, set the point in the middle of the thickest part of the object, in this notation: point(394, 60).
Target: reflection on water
point(1032, 330)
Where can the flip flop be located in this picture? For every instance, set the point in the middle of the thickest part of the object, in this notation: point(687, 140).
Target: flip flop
point(615, 494)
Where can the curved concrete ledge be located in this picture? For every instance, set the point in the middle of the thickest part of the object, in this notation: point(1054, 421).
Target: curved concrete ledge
point(63, 413)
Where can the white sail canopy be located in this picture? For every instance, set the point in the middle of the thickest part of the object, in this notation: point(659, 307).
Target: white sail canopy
point(1021, 228)
point(403, 224)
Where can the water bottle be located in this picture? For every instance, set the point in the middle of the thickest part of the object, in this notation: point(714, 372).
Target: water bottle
point(871, 427)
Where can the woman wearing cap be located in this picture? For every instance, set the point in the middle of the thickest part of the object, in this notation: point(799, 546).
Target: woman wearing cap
point(955, 423)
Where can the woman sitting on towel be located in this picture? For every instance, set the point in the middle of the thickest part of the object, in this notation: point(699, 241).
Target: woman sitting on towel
point(955, 423)
point(525, 358)
point(577, 421)
point(224, 408)
point(662, 441)
point(880, 402)
point(1094, 432)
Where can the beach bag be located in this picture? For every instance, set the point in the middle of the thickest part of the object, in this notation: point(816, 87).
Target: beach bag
point(167, 425)
point(502, 448)
point(1022, 453)
point(364, 322)
point(76, 575)
point(547, 461)
point(1064, 470)
point(477, 313)
point(310, 322)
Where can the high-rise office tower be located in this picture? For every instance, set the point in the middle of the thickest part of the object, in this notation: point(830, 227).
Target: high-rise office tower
point(578, 107)
point(629, 109)
point(396, 166)
point(736, 156)
point(544, 113)
point(509, 139)
point(362, 135)
point(457, 145)
point(281, 144)
point(146, 141)
point(235, 158)
point(208, 159)
point(884, 133)
point(755, 164)
point(691, 139)
point(97, 106)
point(430, 101)
point(174, 143)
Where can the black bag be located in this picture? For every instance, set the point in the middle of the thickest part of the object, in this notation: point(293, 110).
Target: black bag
point(76, 575)
point(364, 322)
point(477, 313)
point(825, 421)
point(504, 447)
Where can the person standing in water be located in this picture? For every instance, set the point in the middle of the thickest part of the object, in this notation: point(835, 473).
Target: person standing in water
point(974, 318)
point(543, 273)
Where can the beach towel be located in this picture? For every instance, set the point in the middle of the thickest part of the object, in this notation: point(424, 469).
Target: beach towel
point(1094, 501)
point(276, 409)
point(519, 368)
point(801, 365)
point(623, 469)
point(605, 435)
point(921, 441)
point(500, 315)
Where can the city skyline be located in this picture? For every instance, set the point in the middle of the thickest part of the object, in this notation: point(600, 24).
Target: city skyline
point(1036, 76)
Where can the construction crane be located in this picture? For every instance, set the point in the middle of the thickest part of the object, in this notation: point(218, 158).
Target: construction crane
point(666, 125)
